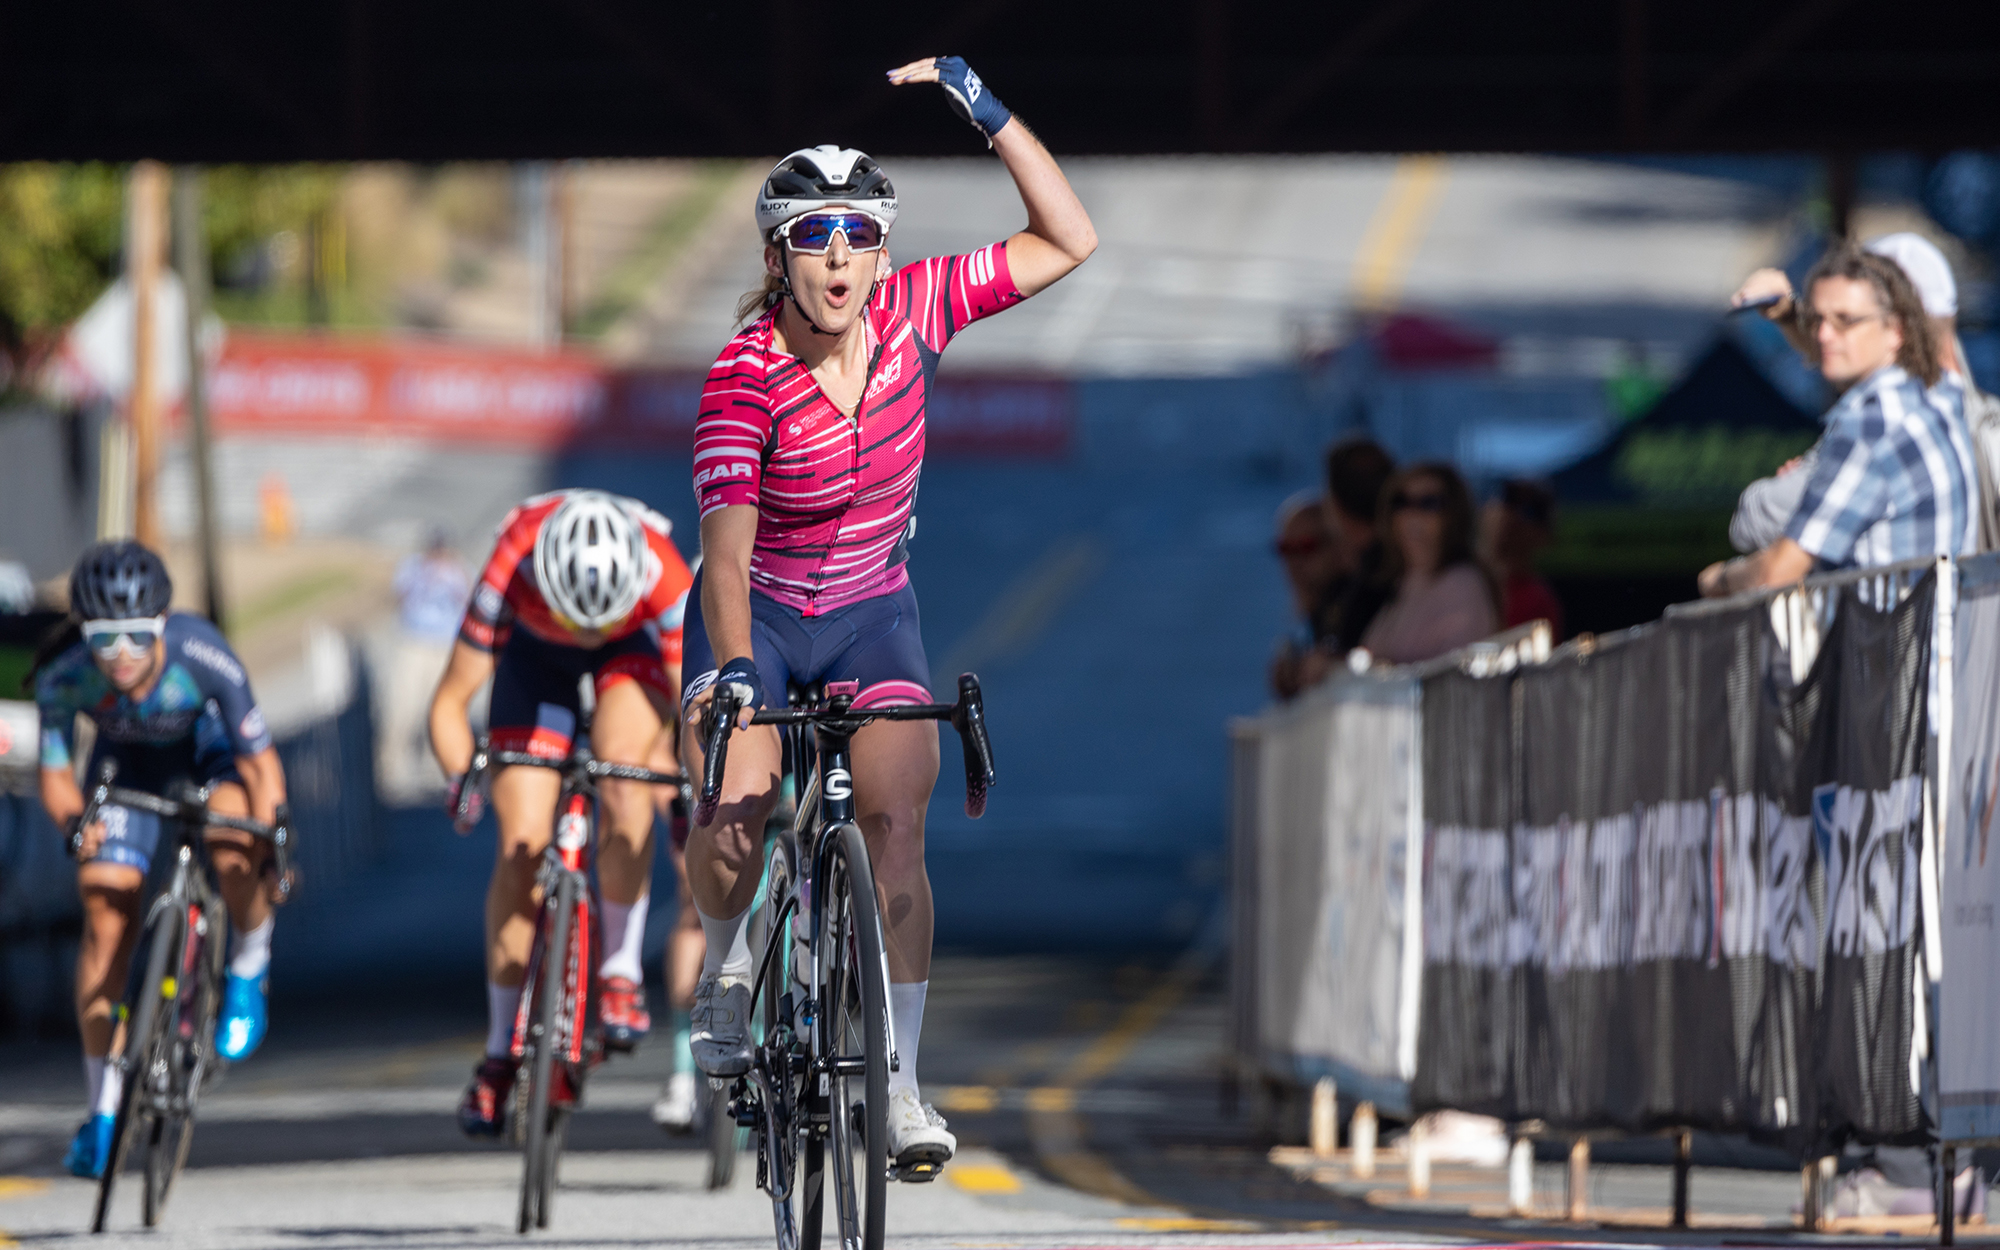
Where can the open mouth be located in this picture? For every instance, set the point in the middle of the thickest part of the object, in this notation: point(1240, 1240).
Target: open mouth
point(836, 294)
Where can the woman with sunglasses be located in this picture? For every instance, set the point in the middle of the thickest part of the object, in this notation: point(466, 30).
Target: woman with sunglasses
point(807, 453)
point(170, 701)
point(1444, 598)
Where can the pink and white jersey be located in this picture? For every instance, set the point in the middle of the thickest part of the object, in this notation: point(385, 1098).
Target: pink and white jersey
point(834, 494)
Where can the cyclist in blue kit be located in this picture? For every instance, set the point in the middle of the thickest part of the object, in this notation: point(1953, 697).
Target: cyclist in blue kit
point(170, 702)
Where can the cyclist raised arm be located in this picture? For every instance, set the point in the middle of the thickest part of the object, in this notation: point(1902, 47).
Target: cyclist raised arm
point(581, 583)
point(171, 702)
point(805, 524)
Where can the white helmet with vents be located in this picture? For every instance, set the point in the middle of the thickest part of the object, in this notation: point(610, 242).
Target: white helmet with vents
point(590, 559)
point(812, 178)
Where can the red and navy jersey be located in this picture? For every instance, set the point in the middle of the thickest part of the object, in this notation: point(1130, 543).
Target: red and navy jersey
point(507, 595)
point(835, 494)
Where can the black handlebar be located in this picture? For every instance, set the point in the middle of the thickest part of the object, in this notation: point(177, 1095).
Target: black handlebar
point(485, 759)
point(195, 808)
point(967, 716)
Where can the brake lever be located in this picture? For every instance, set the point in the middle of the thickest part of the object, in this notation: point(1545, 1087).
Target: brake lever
point(470, 788)
point(716, 728)
point(968, 717)
point(281, 849)
point(100, 794)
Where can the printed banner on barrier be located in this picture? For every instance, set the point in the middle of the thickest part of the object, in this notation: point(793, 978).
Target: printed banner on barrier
point(1336, 829)
point(1622, 904)
point(1969, 1009)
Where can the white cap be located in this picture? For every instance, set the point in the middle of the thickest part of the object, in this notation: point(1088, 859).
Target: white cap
point(1926, 268)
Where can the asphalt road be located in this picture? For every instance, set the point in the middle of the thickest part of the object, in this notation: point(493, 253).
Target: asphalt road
point(1085, 1092)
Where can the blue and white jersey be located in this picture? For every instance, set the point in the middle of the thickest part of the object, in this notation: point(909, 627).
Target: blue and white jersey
point(1894, 479)
point(202, 695)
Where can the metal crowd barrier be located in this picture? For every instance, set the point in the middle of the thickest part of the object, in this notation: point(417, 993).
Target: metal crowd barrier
point(1303, 805)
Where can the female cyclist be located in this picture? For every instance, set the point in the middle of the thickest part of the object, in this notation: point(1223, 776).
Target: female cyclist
point(171, 703)
point(580, 583)
point(807, 451)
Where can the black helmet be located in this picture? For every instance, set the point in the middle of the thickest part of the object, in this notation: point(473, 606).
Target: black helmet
point(119, 581)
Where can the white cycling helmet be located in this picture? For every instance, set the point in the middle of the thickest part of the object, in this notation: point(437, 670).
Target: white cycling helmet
point(590, 559)
point(812, 178)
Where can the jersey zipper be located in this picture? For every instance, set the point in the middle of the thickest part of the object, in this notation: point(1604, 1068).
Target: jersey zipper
point(854, 450)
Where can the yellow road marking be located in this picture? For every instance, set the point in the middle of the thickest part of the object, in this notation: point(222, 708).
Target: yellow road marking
point(983, 1178)
point(1393, 233)
point(1186, 1224)
point(968, 1099)
point(22, 1186)
point(1052, 1099)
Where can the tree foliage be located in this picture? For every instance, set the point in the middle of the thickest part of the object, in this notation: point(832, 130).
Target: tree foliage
point(61, 234)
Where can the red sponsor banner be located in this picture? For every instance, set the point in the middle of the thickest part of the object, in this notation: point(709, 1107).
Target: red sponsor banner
point(414, 389)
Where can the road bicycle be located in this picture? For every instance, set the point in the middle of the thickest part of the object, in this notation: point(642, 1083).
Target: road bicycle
point(174, 991)
point(558, 1036)
point(817, 1091)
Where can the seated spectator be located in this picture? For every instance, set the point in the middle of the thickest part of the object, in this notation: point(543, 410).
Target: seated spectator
point(1312, 559)
point(1520, 522)
point(1356, 472)
point(1893, 478)
point(1441, 597)
point(1769, 502)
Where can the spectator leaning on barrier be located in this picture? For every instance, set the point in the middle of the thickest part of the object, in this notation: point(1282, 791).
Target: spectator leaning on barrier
point(1518, 523)
point(1768, 503)
point(1311, 560)
point(1894, 478)
point(1357, 471)
point(1443, 598)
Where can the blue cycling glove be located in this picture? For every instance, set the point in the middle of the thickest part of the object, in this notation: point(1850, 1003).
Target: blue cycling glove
point(971, 98)
point(740, 678)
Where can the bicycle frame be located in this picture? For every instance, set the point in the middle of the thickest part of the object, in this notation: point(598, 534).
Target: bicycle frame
point(806, 1038)
point(571, 852)
point(161, 1089)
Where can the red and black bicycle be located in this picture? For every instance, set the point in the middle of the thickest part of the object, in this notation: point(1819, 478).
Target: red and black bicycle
point(558, 1037)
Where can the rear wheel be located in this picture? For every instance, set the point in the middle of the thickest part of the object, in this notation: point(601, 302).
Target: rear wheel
point(541, 1134)
point(850, 1163)
point(142, 1062)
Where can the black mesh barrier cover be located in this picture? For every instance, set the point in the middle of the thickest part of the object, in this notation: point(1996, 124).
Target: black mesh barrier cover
point(1668, 886)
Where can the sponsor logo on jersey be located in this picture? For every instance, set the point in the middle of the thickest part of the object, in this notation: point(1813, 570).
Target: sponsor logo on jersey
point(740, 469)
point(890, 373)
point(252, 726)
point(214, 657)
point(488, 600)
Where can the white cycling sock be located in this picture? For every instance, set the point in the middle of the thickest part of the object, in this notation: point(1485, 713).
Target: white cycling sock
point(93, 1080)
point(624, 933)
point(728, 953)
point(251, 956)
point(502, 1002)
point(107, 1093)
point(906, 1019)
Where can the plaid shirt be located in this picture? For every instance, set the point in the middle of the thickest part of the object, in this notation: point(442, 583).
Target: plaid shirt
point(1894, 479)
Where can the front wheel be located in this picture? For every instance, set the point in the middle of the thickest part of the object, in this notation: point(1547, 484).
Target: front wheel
point(547, 1035)
point(189, 1036)
point(143, 1061)
point(854, 1052)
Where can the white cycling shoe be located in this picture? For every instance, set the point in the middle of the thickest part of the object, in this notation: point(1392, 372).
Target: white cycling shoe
point(674, 1109)
point(919, 1143)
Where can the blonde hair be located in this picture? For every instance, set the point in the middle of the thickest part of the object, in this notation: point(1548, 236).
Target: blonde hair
point(755, 304)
